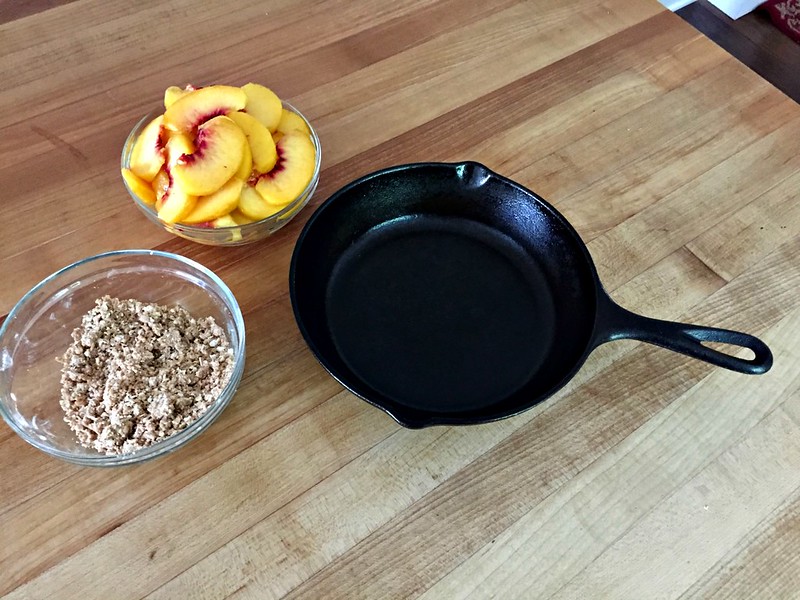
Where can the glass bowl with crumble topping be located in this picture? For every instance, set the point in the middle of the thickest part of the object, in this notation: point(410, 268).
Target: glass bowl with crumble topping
point(120, 358)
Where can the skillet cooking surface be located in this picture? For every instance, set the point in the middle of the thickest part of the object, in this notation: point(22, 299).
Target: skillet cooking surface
point(444, 312)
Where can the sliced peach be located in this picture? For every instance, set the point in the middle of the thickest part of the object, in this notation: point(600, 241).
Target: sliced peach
point(174, 93)
point(262, 147)
point(219, 147)
point(276, 137)
point(160, 185)
point(218, 223)
point(246, 166)
point(224, 221)
point(253, 206)
point(292, 173)
point(291, 212)
point(177, 145)
point(221, 202)
point(175, 204)
point(147, 155)
point(195, 108)
point(239, 218)
point(292, 122)
point(139, 187)
point(263, 104)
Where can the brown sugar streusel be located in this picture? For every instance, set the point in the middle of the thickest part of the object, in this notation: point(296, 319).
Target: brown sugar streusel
point(138, 372)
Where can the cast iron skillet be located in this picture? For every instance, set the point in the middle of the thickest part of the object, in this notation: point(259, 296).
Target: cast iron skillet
point(447, 294)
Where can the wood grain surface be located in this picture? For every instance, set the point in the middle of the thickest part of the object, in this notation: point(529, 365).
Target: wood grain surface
point(649, 476)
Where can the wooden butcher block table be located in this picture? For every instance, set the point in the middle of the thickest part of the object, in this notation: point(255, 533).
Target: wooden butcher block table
point(651, 475)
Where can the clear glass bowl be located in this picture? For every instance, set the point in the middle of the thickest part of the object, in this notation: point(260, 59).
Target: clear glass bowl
point(226, 236)
point(38, 331)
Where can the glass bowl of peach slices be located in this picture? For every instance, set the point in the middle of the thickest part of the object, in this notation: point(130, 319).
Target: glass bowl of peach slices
point(222, 165)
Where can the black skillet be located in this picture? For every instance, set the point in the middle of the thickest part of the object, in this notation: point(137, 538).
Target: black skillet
point(447, 294)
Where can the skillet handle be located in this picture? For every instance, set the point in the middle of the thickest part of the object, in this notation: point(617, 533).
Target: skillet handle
point(619, 323)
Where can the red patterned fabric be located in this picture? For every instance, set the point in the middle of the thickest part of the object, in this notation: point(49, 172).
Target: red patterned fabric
point(786, 16)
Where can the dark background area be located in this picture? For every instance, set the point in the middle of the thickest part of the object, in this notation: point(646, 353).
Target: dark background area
point(752, 39)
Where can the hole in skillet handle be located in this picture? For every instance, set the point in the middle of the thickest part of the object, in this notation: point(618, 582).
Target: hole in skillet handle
point(615, 322)
point(732, 349)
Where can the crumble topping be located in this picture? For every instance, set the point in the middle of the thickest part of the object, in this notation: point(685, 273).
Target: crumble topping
point(139, 372)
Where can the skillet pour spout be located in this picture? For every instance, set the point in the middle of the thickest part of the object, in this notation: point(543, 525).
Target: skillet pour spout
point(448, 294)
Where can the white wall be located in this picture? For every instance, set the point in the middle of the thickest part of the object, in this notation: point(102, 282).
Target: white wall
point(732, 8)
point(675, 4)
point(736, 8)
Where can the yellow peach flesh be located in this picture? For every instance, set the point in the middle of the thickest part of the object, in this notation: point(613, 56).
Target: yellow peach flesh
point(147, 154)
point(177, 145)
point(160, 185)
point(263, 104)
point(292, 122)
point(246, 166)
point(292, 173)
point(139, 187)
point(221, 202)
point(176, 204)
point(253, 206)
point(239, 218)
point(262, 146)
point(224, 221)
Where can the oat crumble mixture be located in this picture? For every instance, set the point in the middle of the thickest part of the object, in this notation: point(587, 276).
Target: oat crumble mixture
point(139, 372)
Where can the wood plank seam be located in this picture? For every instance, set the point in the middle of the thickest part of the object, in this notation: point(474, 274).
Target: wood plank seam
point(693, 474)
point(704, 263)
point(277, 509)
point(689, 243)
point(720, 218)
point(753, 536)
point(552, 493)
point(664, 499)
